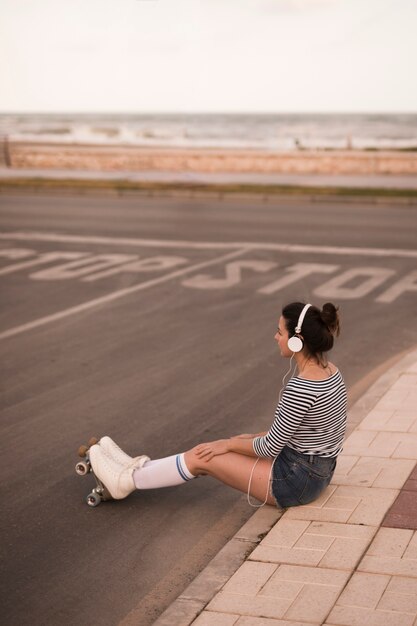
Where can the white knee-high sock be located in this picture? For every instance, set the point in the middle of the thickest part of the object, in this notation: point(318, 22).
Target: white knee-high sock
point(166, 472)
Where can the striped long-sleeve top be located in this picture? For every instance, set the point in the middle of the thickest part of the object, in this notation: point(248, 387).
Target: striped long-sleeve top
point(310, 418)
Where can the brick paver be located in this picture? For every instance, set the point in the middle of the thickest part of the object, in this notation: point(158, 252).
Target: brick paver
point(250, 578)
point(262, 621)
point(400, 445)
point(322, 544)
point(372, 471)
point(375, 599)
point(393, 551)
point(291, 592)
point(358, 616)
point(347, 504)
point(216, 619)
point(403, 513)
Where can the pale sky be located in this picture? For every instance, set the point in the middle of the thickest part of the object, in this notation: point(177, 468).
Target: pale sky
point(208, 55)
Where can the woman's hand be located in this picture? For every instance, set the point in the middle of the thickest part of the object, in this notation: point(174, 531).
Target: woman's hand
point(206, 451)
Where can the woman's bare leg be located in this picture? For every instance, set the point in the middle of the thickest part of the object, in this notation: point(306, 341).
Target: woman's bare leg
point(235, 469)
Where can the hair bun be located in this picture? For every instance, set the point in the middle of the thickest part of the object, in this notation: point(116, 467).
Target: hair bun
point(330, 316)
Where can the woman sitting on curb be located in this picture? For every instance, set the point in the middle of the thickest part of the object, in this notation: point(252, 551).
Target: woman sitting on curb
point(289, 465)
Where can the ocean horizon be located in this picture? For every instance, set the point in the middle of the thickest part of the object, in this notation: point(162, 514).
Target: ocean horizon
point(264, 131)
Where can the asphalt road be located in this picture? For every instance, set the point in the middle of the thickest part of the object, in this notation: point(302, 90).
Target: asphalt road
point(152, 320)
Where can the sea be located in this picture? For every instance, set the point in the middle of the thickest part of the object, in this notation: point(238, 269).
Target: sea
point(263, 131)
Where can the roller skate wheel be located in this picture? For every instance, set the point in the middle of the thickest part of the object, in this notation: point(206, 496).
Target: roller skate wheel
point(93, 441)
point(82, 451)
point(82, 468)
point(93, 499)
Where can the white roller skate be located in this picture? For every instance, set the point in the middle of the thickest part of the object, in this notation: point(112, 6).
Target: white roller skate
point(114, 476)
point(121, 457)
point(117, 479)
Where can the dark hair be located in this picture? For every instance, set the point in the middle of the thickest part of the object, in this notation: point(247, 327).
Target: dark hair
point(319, 327)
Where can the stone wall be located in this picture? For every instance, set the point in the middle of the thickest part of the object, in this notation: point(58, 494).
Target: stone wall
point(127, 158)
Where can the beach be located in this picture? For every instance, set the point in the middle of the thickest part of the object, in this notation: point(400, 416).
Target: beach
point(27, 155)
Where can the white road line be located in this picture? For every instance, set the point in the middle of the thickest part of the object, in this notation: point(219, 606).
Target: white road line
point(205, 245)
point(115, 295)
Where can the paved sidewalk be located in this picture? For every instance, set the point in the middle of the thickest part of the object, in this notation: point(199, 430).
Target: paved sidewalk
point(348, 559)
point(374, 181)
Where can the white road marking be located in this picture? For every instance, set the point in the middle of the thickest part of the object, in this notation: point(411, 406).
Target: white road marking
point(233, 275)
point(204, 245)
point(16, 253)
point(81, 267)
point(337, 287)
point(407, 283)
point(150, 264)
point(297, 272)
point(115, 295)
point(374, 276)
point(47, 257)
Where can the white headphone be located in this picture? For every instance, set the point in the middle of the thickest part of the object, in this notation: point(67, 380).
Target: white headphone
point(295, 343)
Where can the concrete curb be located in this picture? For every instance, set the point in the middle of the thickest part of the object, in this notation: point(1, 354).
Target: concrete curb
point(198, 594)
point(376, 190)
point(186, 608)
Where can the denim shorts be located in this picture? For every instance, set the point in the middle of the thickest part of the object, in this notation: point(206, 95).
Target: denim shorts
point(300, 478)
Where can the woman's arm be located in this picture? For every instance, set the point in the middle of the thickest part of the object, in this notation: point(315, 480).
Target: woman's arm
point(247, 436)
point(243, 445)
